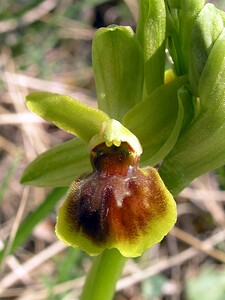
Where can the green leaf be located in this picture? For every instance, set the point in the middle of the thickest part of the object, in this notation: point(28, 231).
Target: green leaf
point(67, 113)
point(26, 228)
point(207, 28)
point(151, 32)
point(58, 166)
point(201, 147)
point(157, 120)
point(118, 68)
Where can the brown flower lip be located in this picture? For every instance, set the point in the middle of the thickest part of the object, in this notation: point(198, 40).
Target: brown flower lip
point(117, 205)
point(100, 196)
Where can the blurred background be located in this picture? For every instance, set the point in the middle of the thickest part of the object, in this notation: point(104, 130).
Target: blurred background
point(46, 46)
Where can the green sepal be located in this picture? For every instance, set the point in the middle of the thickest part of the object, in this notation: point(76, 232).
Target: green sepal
point(207, 28)
point(118, 68)
point(151, 33)
point(58, 166)
point(67, 113)
point(201, 147)
point(157, 121)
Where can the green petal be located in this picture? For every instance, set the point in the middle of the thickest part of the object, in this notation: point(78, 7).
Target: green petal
point(118, 68)
point(58, 166)
point(67, 113)
point(157, 120)
point(151, 32)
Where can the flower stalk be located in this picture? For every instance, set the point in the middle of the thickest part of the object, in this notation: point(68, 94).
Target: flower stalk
point(105, 271)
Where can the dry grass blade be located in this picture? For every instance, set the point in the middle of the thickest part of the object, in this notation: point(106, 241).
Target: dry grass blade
point(8, 146)
point(198, 244)
point(24, 81)
point(197, 194)
point(19, 118)
point(167, 263)
point(16, 223)
point(32, 264)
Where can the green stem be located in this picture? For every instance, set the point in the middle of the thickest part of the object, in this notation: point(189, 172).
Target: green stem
point(102, 278)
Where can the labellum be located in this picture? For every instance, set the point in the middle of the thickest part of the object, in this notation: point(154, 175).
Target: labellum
point(118, 205)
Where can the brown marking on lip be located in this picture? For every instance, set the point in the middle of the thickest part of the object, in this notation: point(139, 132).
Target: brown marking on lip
point(94, 210)
point(131, 220)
